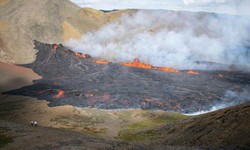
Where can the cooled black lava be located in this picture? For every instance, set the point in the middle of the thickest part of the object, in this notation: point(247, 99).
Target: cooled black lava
point(72, 80)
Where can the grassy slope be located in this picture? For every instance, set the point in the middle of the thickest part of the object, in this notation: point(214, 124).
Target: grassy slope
point(227, 128)
point(145, 129)
point(4, 139)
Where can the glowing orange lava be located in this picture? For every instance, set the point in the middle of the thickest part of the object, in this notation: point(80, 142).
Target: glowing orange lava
point(220, 75)
point(136, 63)
point(90, 94)
point(80, 55)
point(148, 99)
point(167, 69)
point(102, 62)
point(59, 94)
point(192, 72)
point(55, 46)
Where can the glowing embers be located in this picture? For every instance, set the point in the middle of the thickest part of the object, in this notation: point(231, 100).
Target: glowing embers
point(136, 63)
point(192, 72)
point(59, 94)
point(102, 62)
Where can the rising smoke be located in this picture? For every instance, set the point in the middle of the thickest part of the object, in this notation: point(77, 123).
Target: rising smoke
point(170, 39)
point(230, 98)
point(188, 2)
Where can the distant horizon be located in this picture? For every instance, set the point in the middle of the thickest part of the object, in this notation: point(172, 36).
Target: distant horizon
point(241, 7)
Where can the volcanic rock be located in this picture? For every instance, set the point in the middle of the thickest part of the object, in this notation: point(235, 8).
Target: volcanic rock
point(72, 80)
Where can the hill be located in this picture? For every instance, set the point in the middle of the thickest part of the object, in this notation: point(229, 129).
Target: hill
point(226, 128)
point(140, 129)
point(47, 21)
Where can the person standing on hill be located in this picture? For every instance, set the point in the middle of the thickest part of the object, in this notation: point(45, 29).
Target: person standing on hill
point(31, 123)
point(35, 123)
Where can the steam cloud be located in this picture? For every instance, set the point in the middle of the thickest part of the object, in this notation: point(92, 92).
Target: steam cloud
point(170, 39)
point(187, 2)
point(231, 98)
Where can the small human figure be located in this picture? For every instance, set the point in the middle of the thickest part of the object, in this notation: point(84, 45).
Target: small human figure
point(31, 123)
point(35, 123)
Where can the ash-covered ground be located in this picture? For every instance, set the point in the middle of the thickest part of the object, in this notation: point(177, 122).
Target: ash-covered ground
point(72, 80)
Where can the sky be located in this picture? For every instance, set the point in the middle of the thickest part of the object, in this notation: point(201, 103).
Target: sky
point(238, 7)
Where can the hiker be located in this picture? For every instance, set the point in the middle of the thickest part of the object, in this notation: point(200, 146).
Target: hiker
point(35, 123)
point(31, 123)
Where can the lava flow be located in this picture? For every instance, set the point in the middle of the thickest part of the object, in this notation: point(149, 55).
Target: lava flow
point(166, 69)
point(102, 62)
point(59, 94)
point(81, 55)
point(220, 75)
point(136, 63)
point(55, 46)
point(192, 72)
point(114, 86)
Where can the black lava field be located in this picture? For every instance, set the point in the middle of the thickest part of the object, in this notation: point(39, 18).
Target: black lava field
point(68, 79)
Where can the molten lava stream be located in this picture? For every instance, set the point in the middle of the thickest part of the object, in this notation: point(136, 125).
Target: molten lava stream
point(136, 63)
point(102, 62)
point(81, 55)
point(59, 94)
point(192, 72)
point(220, 75)
point(167, 69)
point(55, 46)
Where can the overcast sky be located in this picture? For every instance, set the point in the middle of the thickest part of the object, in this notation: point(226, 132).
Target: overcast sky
point(222, 6)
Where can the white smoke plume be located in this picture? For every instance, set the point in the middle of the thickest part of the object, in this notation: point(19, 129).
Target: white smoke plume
point(231, 98)
point(188, 2)
point(170, 39)
point(239, 7)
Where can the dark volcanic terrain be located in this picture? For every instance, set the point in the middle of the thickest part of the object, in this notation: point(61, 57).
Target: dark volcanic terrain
point(69, 79)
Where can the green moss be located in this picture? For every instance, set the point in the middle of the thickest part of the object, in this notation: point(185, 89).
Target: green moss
point(63, 120)
point(159, 120)
point(138, 136)
point(4, 139)
point(9, 106)
point(144, 129)
point(78, 119)
point(3, 129)
point(93, 130)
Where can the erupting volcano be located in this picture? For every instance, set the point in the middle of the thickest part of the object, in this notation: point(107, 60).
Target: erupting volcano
point(86, 82)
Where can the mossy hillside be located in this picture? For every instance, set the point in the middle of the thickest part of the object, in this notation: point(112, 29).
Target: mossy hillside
point(145, 129)
point(4, 139)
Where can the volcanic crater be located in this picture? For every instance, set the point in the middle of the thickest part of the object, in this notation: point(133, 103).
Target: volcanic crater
point(70, 78)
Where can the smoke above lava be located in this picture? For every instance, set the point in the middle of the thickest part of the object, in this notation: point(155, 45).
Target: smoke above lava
point(170, 39)
point(230, 98)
